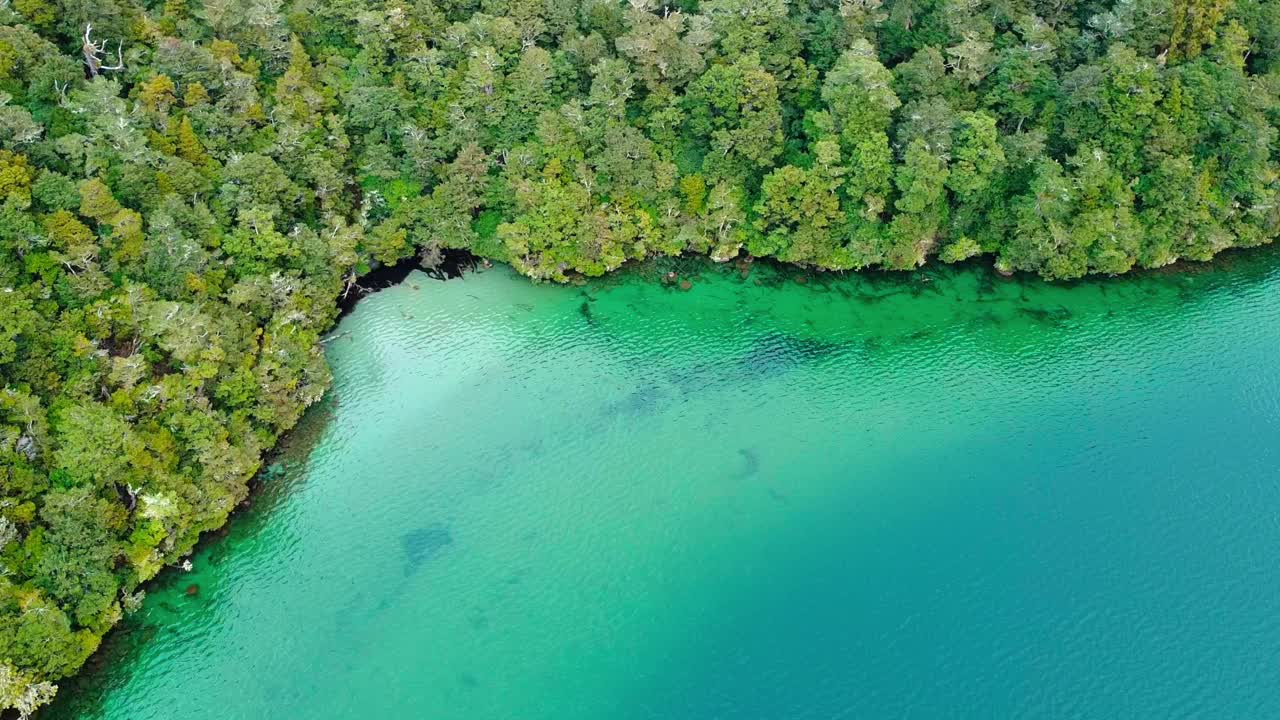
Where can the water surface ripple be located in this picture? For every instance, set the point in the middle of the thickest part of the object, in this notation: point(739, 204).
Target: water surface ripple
point(936, 495)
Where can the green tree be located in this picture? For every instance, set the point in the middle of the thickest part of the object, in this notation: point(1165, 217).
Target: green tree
point(735, 110)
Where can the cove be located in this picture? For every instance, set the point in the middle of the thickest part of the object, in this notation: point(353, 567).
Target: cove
point(929, 495)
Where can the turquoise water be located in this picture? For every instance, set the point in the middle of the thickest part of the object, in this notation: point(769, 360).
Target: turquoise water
point(936, 495)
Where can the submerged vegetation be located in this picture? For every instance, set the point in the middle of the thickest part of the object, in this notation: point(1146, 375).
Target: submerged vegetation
point(188, 186)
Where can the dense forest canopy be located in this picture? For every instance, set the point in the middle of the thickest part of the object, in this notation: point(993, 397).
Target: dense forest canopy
point(187, 186)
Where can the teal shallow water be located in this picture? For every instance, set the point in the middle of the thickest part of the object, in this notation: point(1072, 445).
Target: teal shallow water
point(921, 496)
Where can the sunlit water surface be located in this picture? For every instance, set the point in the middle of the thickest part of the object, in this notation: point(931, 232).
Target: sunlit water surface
point(934, 495)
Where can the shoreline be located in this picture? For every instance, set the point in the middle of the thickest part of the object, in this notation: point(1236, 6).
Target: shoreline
point(454, 265)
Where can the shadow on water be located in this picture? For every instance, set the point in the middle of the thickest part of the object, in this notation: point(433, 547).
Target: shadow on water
point(451, 264)
point(171, 594)
point(768, 355)
point(83, 694)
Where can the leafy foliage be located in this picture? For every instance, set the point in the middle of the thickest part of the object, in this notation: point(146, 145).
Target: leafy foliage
point(178, 219)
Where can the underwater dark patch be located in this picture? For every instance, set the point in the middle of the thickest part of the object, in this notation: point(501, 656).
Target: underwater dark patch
point(423, 544)
point(696, 377)
point(775, 353)
point(640, 402)
point(986, 284)
point(750, 464)
point(1055, 317)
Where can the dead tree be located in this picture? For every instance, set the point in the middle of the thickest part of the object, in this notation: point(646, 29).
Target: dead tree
point(94, 51)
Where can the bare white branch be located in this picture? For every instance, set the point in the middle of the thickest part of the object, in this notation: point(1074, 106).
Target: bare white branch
point(95, 50)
